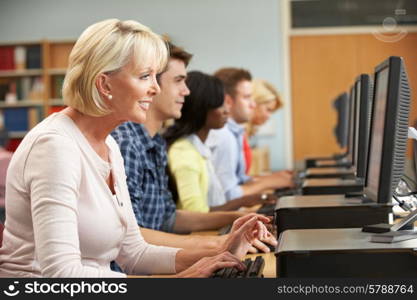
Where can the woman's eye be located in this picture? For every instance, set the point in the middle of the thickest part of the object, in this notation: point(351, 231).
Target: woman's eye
point(145, 76)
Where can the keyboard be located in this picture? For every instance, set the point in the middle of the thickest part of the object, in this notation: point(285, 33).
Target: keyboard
point(267, 209)
point(254, 269)
point(225, 229)
point(287, 192)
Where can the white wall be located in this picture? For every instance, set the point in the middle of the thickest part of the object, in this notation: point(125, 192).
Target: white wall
point(239, 33)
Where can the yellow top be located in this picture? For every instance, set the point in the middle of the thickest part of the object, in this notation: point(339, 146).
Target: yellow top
point(189, 169)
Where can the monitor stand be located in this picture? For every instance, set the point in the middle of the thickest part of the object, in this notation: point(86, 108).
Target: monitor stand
point(392, 233)
point(328, 211)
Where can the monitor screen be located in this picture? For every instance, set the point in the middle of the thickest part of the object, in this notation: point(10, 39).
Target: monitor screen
point(352, 121)
point(378, 120)
point(341, 105)
point(357, 115)
point(363, 116)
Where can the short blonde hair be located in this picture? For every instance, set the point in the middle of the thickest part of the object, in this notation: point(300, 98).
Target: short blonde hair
point(104, 47)
point(263, 91)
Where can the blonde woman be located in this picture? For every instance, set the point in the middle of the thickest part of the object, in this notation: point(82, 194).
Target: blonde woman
point(68, 212)
point(267, 100)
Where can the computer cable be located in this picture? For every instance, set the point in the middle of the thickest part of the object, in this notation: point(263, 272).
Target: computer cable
point(403, 204)
point(406, 194)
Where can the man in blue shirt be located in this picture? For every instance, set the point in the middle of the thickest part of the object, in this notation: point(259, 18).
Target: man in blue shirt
point(227, 143)
point(144, 153)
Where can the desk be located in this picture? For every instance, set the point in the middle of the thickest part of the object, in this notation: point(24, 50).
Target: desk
point(343, 252)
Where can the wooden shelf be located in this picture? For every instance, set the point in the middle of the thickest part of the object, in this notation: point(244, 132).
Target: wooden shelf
point(20, 43)
point(22, 103)
point(56, 102)
point(40, 88)
point(17, 134)
point(20, 73)
point(56, 71)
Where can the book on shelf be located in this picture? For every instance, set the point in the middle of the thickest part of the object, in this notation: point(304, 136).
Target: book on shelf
point(16, 119)
point(21, 118)
point(7, 58)
point(25, 88)
point(394, 236)
point(11, 96)
point(12, 144)
point(33, 57)
point(36, 89)
point(34, 116)
point(58, 81)
point(20, 57)
point(4, 89)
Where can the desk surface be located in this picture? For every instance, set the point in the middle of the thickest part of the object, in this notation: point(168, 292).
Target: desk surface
point(333, 240)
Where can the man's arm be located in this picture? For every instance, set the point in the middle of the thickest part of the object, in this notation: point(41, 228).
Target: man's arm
point(244, 201)
point(161, 238)
point(254, 186)
point(187, 221)
point(275, 180)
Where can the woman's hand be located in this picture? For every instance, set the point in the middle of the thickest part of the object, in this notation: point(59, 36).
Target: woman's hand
point(206, 266)
point(260, 245)
point(248, 231)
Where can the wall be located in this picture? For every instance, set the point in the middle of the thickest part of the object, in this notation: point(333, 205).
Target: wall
point(241, 33)
point(330, 67)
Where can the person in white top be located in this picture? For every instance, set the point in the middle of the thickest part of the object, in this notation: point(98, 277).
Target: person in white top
point(68, 212)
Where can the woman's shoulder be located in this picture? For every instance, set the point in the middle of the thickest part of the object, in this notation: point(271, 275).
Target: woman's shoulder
point(183, 151)
point(50, 135)
point(182, 144)
point(55, 126)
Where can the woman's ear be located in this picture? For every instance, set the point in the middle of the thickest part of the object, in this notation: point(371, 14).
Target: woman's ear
point(103, 86)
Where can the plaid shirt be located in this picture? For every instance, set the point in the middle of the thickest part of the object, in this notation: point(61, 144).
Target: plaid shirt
point(145, 160)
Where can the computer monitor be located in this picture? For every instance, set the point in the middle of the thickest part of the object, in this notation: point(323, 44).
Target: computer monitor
point(341, 105)
point(363, 95)
point(415, 157)
point(410, 172)
point(352, 108)
point(389, 127)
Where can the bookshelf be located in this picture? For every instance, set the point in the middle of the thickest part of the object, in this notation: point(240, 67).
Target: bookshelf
point(31, 77)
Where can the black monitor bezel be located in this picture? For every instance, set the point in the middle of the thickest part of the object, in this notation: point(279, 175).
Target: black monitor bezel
point(384, 192)
point(341, 130)
point(362, 123)
point(351, 133)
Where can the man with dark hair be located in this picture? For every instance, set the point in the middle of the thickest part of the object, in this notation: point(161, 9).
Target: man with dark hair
point(145, 157)
point(227, 143)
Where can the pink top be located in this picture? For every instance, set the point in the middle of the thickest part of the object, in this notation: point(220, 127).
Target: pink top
point(62, 219)
point(5, 157)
